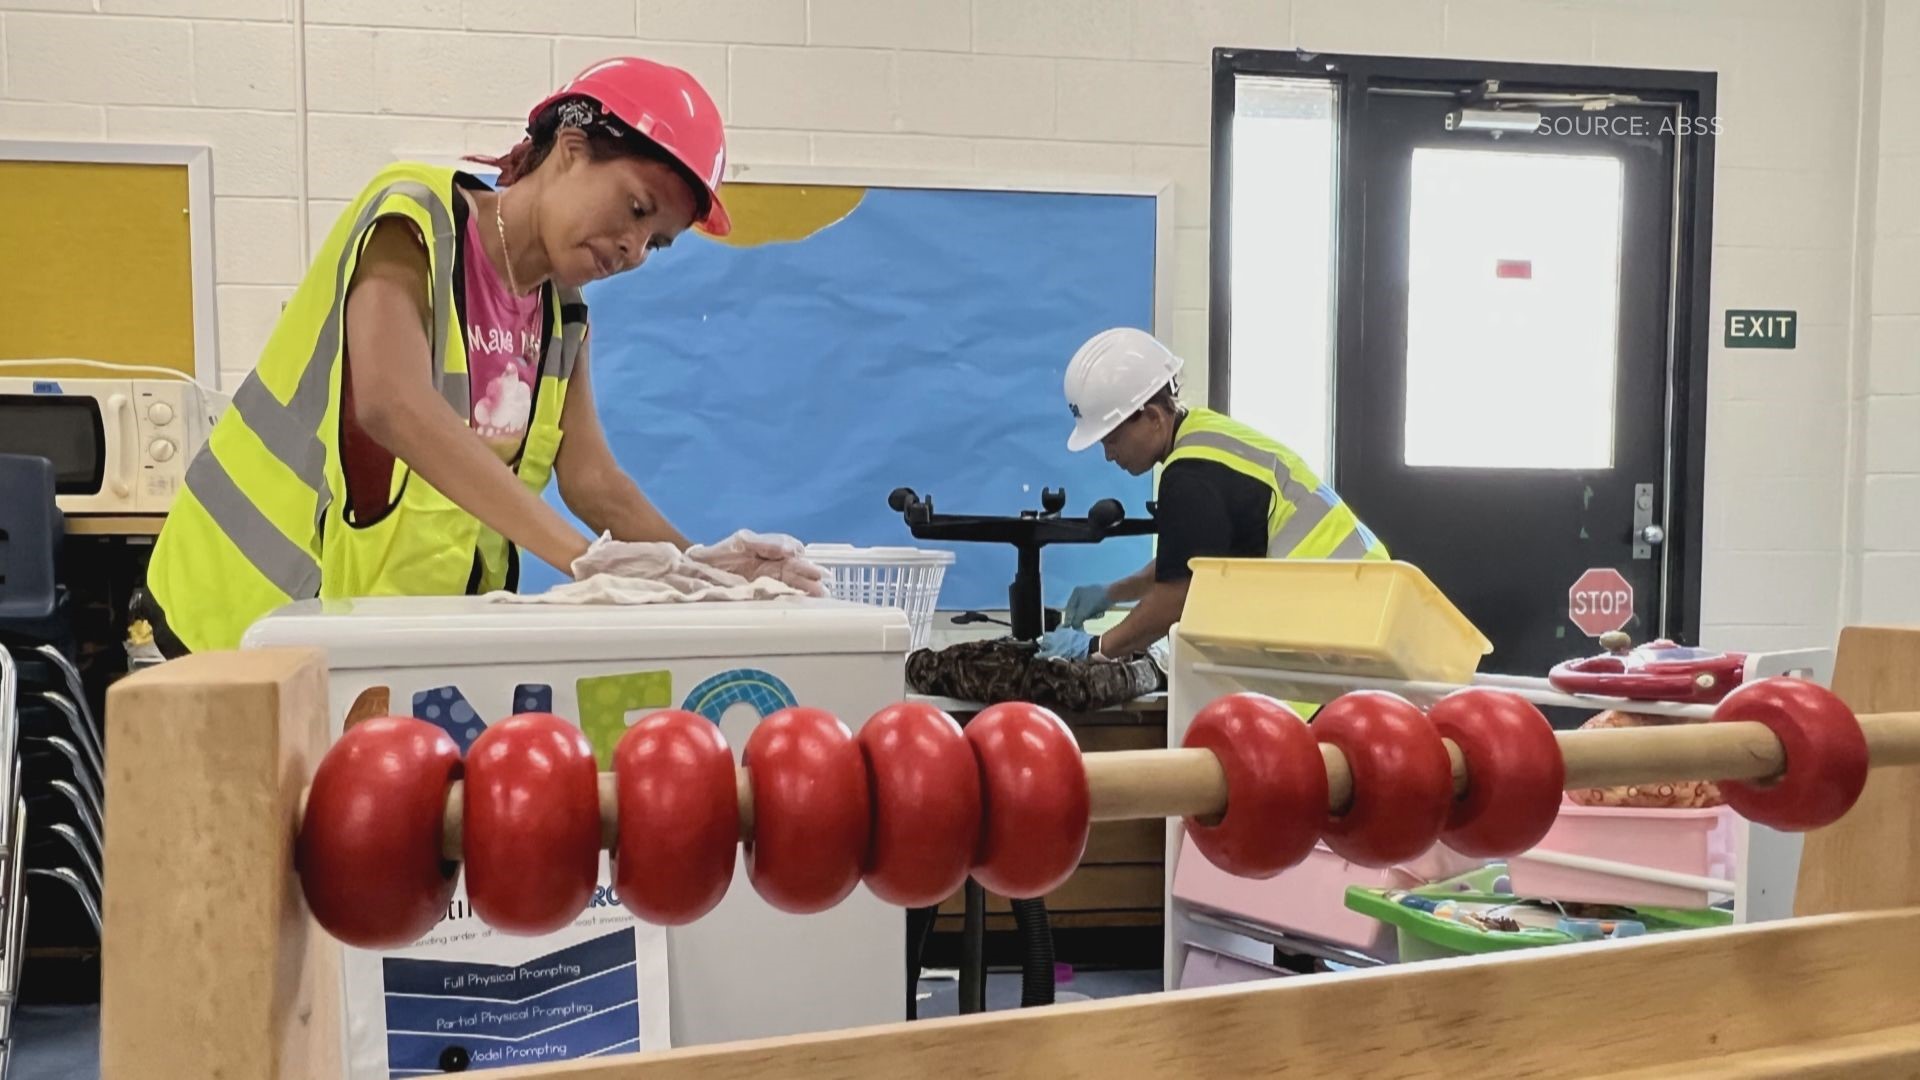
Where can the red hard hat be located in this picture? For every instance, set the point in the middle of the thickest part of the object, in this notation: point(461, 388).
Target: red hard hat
point(664, 104)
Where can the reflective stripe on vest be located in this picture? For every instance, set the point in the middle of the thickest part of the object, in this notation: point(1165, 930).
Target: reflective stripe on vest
point(543, 435)
point(288, 567)
point(1307, 519)
point(291, 431)
point(261, 520)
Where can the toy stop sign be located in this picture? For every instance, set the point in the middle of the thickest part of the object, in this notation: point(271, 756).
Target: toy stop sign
point(1600, 602)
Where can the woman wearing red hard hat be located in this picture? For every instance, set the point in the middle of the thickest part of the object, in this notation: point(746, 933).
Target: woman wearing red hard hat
point(410, 405)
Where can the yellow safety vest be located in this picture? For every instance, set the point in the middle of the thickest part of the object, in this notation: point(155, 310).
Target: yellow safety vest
point(1307, 519)
point(263, 518)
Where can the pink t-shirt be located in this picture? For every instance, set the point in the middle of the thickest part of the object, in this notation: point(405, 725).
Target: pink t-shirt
point(503, 349)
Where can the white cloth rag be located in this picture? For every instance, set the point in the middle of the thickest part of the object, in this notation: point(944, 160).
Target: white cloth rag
point(654, 573)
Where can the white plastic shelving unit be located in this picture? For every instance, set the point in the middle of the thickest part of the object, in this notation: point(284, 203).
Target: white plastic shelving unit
point(1767, 862)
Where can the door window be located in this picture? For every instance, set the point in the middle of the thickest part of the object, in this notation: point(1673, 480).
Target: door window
point(1513, 298)
point(1283, 262)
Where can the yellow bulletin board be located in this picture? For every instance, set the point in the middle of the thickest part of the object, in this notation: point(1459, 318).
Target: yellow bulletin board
point(106, 254)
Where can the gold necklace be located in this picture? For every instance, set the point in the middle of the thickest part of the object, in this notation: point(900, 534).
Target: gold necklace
point(506, 254)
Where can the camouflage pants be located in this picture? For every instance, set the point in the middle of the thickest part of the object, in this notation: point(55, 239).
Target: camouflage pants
point(1000, 670)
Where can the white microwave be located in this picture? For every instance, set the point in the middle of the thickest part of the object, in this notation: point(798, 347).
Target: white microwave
point(118, 446)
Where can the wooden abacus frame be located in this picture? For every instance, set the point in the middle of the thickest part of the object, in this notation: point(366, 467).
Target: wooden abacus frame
point(214, 968)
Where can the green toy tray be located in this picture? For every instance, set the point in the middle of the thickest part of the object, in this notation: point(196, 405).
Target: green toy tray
point(1476, 888)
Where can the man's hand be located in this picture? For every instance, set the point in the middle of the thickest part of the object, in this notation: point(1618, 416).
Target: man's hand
point(1065, 643)
point(1084, 603)
point(1149, 620)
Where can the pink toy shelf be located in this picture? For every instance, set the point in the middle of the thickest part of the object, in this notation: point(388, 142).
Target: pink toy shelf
point(1700, 843)
point(1309, 900)
point(1307, 631)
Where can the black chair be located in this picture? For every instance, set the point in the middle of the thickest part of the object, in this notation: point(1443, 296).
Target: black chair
point(31, 530)
point(13, 845)
point(51, 750)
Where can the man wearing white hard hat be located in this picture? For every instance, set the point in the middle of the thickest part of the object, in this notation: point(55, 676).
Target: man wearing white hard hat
point(1226, 491)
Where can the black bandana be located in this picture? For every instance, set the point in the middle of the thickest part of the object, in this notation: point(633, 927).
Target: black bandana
point(579, 112)
point(589, 115)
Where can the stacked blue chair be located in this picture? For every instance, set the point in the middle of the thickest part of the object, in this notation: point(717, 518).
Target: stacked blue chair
point(52, 756)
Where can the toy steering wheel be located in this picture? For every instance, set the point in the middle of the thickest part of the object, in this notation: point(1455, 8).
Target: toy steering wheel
point(1657, 671)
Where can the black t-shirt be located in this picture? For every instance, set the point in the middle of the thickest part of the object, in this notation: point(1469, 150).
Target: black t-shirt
point(1208, 510)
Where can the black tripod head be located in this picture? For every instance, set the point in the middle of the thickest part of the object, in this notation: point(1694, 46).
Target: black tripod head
point(1028, 532)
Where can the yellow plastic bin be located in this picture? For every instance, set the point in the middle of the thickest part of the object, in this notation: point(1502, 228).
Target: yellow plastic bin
point(1374, 618)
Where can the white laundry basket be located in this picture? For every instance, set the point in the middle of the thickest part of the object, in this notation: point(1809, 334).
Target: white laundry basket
point(902, 577)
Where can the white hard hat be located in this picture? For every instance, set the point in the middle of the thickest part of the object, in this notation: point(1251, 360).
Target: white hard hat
point(1111, 377)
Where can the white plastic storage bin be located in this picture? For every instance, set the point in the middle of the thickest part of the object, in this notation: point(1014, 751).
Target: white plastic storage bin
point(608, 983)
point(903, 577)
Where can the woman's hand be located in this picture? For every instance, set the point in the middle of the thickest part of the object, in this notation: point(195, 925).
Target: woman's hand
point(754, 555)
point(390, 362)
point(654, 560)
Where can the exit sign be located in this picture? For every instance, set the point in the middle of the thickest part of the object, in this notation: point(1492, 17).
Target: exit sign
point(1762, 329)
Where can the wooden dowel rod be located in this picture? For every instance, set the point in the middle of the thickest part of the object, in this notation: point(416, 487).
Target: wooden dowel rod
point(1454, 755)
point(1130, 784)
point(610, 809)
point(743, 793)
point(1892, 738)
point(1340, 777)
point(1732, 751)
point(452, 824)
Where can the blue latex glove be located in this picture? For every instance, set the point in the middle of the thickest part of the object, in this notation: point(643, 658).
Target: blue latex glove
point(1066, 643)
point(1085, 602)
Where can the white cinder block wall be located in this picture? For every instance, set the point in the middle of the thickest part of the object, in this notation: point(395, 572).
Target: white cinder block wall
point(1104, 87)
point(1888, 542)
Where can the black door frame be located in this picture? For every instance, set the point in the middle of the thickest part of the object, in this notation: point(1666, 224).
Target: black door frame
point(1693, 94)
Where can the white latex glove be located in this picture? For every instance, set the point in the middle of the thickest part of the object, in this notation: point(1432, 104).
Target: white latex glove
point(756, 555)
point(650, 559)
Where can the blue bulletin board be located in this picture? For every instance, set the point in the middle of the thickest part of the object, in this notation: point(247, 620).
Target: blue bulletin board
point(850, 339)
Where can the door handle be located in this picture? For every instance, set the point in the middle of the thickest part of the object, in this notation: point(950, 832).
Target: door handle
point(1646, 535)
point(121, 478)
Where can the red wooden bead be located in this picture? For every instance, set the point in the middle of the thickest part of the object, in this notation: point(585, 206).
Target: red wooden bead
point(369, 845)
point(1402, 777)
point(1515, 775)
point(1826, 754)
point(532, 831)
point(926, 804)
point(1036, 804)
point(1276, 785)
point(810, 810)
point(679, 813)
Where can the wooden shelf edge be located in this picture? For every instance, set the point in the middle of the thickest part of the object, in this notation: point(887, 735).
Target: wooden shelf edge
point(1887, 1052)
point(114, 524)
